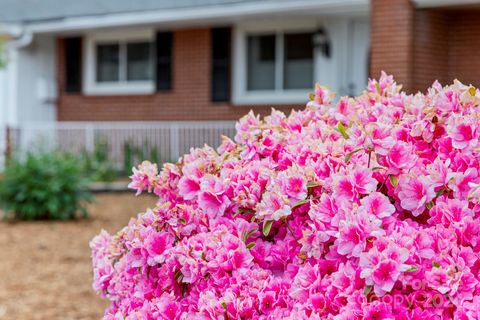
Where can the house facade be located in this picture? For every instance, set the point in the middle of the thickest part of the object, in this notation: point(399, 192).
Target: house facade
point(184, 60)
point(212, 60)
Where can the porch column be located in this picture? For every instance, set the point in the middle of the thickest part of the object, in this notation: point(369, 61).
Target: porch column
point(392, 29)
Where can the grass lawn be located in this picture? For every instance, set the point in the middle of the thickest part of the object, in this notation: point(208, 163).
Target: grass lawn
point(45, 267)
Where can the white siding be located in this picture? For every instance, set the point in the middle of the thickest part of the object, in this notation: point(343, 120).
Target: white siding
point(36, 81)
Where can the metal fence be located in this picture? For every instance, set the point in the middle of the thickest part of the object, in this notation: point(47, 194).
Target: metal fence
point(165, 140)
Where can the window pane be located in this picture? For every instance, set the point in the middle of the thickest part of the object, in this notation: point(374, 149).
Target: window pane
point(298, 66)
point(139, 57)
point(261, 62)
point(107, 62)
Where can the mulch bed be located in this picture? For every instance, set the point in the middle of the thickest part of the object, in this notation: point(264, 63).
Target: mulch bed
point(45, 267)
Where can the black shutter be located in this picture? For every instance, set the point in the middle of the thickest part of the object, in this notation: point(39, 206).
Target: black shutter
point(73, 64)
point(164, 61)
point(220, 76)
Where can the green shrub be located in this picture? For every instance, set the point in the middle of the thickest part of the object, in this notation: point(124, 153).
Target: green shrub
point(44, 186)
point(97, 165)
point(134, 154)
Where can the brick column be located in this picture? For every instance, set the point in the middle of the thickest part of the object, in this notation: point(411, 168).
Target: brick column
point(392, 26)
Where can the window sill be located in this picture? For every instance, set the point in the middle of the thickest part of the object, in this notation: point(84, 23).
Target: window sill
point(136, 88)
point(271, 97)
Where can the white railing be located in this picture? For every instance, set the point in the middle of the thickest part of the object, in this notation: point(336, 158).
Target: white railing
point(167, 139)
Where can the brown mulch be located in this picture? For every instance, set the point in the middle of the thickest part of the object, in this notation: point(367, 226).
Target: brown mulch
point(45, 267)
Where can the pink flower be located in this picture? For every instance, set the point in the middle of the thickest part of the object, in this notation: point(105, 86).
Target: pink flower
point(358, 182)
point(380, 138)
point(463, 133)
point(415, 193)
point(213, 197)
point(156, 245)
point(382, 85)
point(144, 178)
point(400, 158)
point(382, 269)
point(295, 187)
point(355, 230)
point(189, 188)
point(447, 211)
point(377, 204)
point(390, 232)
point(274, 206)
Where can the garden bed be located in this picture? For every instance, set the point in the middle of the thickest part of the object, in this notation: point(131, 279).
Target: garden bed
point(45, 267)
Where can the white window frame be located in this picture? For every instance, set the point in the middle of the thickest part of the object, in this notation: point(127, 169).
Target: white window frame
point(243, 96)
point(90, 84)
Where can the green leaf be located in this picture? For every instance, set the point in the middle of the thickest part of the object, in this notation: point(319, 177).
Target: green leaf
point(378, 168)
point(177, 274)
point(301, 202)
point(251, 245)
point(349, 155)
point(435, 264)
point(312, 184)
point(342, 129)
point(248, 234)
point(412, 269)
point(267, 225)
point(430, 205)
point(393, 180)
point(440, 192)
point(367, 290)
point(182, 221)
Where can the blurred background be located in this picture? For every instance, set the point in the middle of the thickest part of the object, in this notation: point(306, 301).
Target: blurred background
point(113, 82)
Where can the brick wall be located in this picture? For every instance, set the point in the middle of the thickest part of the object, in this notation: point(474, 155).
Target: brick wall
point(464, 59)
point(188, 100)
point(431, 48)
point(419, 46)
point(392, 39)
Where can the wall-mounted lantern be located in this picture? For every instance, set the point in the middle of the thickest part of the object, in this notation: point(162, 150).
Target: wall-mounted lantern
point(321, 41)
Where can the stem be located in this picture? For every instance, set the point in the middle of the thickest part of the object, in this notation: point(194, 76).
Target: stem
point(291, 232)
point(369, 157)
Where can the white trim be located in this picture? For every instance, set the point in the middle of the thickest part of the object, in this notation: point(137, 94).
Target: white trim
point(242, 96)
point(204, 14)
point(91, 86)
point(443, 3)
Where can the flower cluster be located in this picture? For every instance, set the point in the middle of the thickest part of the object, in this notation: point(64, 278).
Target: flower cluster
point(356, 208)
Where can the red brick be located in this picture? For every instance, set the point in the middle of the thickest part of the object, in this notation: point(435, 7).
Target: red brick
point(188, 100)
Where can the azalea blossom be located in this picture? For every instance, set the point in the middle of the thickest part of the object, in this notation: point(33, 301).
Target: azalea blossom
point(361, 208)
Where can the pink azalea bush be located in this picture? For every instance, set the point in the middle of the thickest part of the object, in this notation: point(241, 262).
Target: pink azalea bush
point(363, 209)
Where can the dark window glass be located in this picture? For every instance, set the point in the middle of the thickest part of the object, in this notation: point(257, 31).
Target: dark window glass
point(261, 62)
point(139, 57)
point(298, 64)
point(108, 62)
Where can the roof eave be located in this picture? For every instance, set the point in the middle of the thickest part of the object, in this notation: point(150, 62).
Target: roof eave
point(198, 15)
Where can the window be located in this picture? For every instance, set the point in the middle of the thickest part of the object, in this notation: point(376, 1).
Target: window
point(108, 62)
point(139, 61)
point(298, 63)
point(120, 62)
point(137, 65)
point(274, 62)
point(261, 62)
